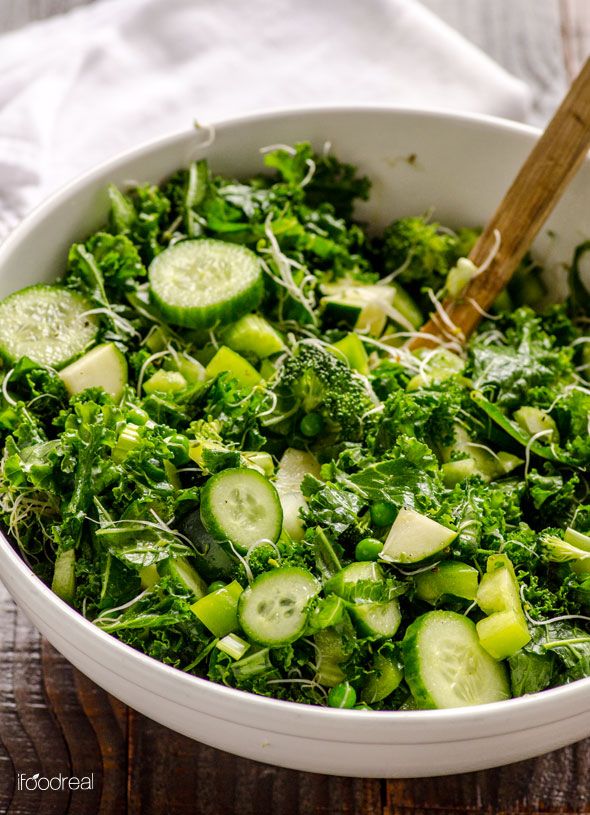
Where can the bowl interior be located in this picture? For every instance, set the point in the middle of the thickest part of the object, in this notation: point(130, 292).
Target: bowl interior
point(456, 167)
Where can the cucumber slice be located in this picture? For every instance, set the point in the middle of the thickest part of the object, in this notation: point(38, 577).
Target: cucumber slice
point(64, 575)
point(377, 620)
point(149, 576)
point(442, 364)
point(293, 465)
point(104, 367)
point(165, 382)
point(226, 360)
point(367, 308)
point(498, 590)
point(352, 348)
point(185, 574)
point(446, 666)
point(345, 581)
point(534, 420)
point(504, 631)
point(454, 472)
point(451, 577)
point(190, 368)
point(273, 609)
point(414, 537)
point(481, 462)
point(200, 283)
point(252, 334)
point(385, 678)
point(48, 324)
point(242, 506)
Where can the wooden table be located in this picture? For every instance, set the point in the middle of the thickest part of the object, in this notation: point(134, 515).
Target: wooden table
point(53, 719)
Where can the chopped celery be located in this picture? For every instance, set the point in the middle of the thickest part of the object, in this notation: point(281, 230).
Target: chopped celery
point(218, 611)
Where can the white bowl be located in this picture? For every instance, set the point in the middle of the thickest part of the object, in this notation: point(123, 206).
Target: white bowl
point(461, 168)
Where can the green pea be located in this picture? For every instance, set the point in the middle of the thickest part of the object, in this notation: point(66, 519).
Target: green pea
point(383, 513)
point(342, 696)
point(368, 549)
point(311, 425)
point(217, 584)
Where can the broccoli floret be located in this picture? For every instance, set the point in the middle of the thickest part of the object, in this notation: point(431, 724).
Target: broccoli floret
point(314, 381)
point(425, 253)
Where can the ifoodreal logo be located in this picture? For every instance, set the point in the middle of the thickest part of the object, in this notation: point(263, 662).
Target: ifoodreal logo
point(55, 782)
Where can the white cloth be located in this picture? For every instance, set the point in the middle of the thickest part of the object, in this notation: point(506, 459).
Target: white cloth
point(77, 88)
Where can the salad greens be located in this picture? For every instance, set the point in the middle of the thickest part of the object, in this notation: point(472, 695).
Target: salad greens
point(217, 447)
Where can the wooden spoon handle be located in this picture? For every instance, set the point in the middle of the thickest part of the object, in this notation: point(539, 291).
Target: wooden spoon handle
point(523, 211)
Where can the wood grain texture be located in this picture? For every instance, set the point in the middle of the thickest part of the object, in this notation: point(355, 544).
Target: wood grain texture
point(520, 215)
point(53, 719)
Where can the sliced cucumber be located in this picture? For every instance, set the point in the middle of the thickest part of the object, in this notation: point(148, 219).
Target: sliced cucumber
point(293, 466)
point(165, 382)
point(377, 620)
point(498, 590)
point(242, 506)
point(148, 576)
point(190, 368)
point(252, 334)
point(534, 420)
point(226, 360)
point(486, 464)
point(450, 577)
point(367, 308)
point(48, 324)
point(385, 678)
point(201, 283)
point(441, 364)
point(273, 609)
point(104, 367)
point(414, 537)
point(352, 349)
point(64, 575)
point(445, 665)
point(185, 574)
point(347, 579)
point(504, 631)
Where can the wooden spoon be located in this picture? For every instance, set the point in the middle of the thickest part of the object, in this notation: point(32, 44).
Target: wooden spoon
point(524, 209)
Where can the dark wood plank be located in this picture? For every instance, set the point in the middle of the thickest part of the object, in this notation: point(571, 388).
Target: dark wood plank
point(557, 782)
point(31, 740)
point(108, 718)
point(187, 777)
point(83, 747)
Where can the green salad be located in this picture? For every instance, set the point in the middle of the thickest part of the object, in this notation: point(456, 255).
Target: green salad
point(218, 447)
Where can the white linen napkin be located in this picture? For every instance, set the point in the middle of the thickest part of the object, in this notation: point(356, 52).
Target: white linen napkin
point(77, 88)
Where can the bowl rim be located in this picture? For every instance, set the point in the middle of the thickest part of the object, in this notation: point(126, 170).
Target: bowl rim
point(533, 707)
